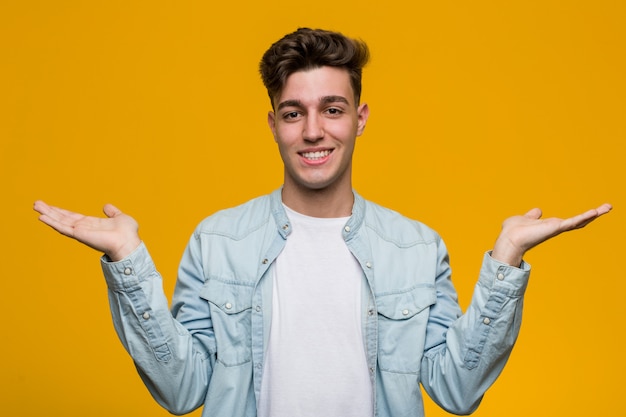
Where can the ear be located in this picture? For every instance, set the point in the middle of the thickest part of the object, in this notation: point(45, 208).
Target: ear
point(271, 121)
point(362, 114)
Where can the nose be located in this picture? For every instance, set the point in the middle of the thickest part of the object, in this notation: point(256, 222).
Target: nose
point(313, 128)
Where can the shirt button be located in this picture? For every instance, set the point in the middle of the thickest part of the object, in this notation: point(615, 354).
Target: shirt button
point(371, 370)
point(258, 309)
point(228, 306)
point(500, 276)
point(285, 226)
point(264, 261)
point(405, 312)
point(370, 312)
point(128, 270)
point(146, 315)
point(486, 320)
point(368, 264)
point(347, 228)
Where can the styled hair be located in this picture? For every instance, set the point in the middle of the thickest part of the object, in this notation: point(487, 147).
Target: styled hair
point(307, 49)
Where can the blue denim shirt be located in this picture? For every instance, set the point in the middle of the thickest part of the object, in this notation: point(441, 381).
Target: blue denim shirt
point(209, 349)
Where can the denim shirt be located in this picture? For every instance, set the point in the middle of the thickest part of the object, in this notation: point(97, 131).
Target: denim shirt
point(209, 348)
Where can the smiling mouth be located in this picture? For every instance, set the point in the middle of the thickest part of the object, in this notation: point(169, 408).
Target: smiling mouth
point(314, 156)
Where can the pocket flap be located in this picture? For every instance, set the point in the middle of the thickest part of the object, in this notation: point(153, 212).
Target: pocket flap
point(228, 297)
point(404, 305)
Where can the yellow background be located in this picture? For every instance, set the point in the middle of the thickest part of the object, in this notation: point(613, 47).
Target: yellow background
point(479, 110)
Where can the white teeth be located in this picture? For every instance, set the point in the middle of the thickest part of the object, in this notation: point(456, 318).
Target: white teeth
point(316, 155)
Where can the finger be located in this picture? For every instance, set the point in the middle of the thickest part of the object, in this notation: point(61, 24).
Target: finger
point(604, 208)
point(62, 215)
point(585, 218)
point(44, 208)
point(534, 214)
point(59, 226)
point(40, 206)
point(111, 211)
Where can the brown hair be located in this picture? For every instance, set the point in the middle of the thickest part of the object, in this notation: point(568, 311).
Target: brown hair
point(307, 49)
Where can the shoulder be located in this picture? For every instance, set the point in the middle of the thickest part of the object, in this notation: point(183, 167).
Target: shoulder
point(238, 221)
point(390, 225)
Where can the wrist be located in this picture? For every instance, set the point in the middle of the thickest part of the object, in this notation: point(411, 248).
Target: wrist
point(507, 253)
point(124, 250)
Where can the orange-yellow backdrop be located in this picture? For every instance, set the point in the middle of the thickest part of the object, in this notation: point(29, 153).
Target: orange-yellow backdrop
point(479, 110)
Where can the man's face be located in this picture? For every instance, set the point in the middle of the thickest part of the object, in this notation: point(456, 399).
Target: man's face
point(315, 124)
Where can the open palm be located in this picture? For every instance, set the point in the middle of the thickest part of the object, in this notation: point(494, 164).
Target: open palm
point(521, 233)
point(116, 235)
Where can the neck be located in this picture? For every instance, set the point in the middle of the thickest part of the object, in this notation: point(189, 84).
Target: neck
point(323, 203)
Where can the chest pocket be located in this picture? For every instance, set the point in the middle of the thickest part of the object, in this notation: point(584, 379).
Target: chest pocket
point(402, 320)
point(231, 314)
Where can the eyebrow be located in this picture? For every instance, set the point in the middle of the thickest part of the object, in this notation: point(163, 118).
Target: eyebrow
point(323, 100)
point(289, 103)
point(334, 99)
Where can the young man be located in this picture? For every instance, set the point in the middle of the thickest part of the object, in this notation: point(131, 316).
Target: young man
point(312, 301)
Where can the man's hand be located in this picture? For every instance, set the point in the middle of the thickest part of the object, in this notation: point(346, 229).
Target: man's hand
point(521, 233)
point(116, 235)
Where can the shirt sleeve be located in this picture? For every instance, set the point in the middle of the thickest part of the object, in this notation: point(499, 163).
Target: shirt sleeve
point(174, 363)
point(464, 354)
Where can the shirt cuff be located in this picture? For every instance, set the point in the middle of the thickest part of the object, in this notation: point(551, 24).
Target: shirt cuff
point(504, 278)
point(128, 273)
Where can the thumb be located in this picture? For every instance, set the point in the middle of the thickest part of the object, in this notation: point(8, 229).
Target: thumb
point(534, 214)
point(111, 211)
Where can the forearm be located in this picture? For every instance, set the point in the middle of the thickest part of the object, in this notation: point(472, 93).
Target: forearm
point(175, 369)
point(457, 371)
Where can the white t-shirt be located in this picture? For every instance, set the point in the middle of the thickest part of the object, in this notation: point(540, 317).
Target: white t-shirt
point(315, 363)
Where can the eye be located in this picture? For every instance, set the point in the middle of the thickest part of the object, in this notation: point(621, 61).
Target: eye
point(334, 111)
point(292, 115)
